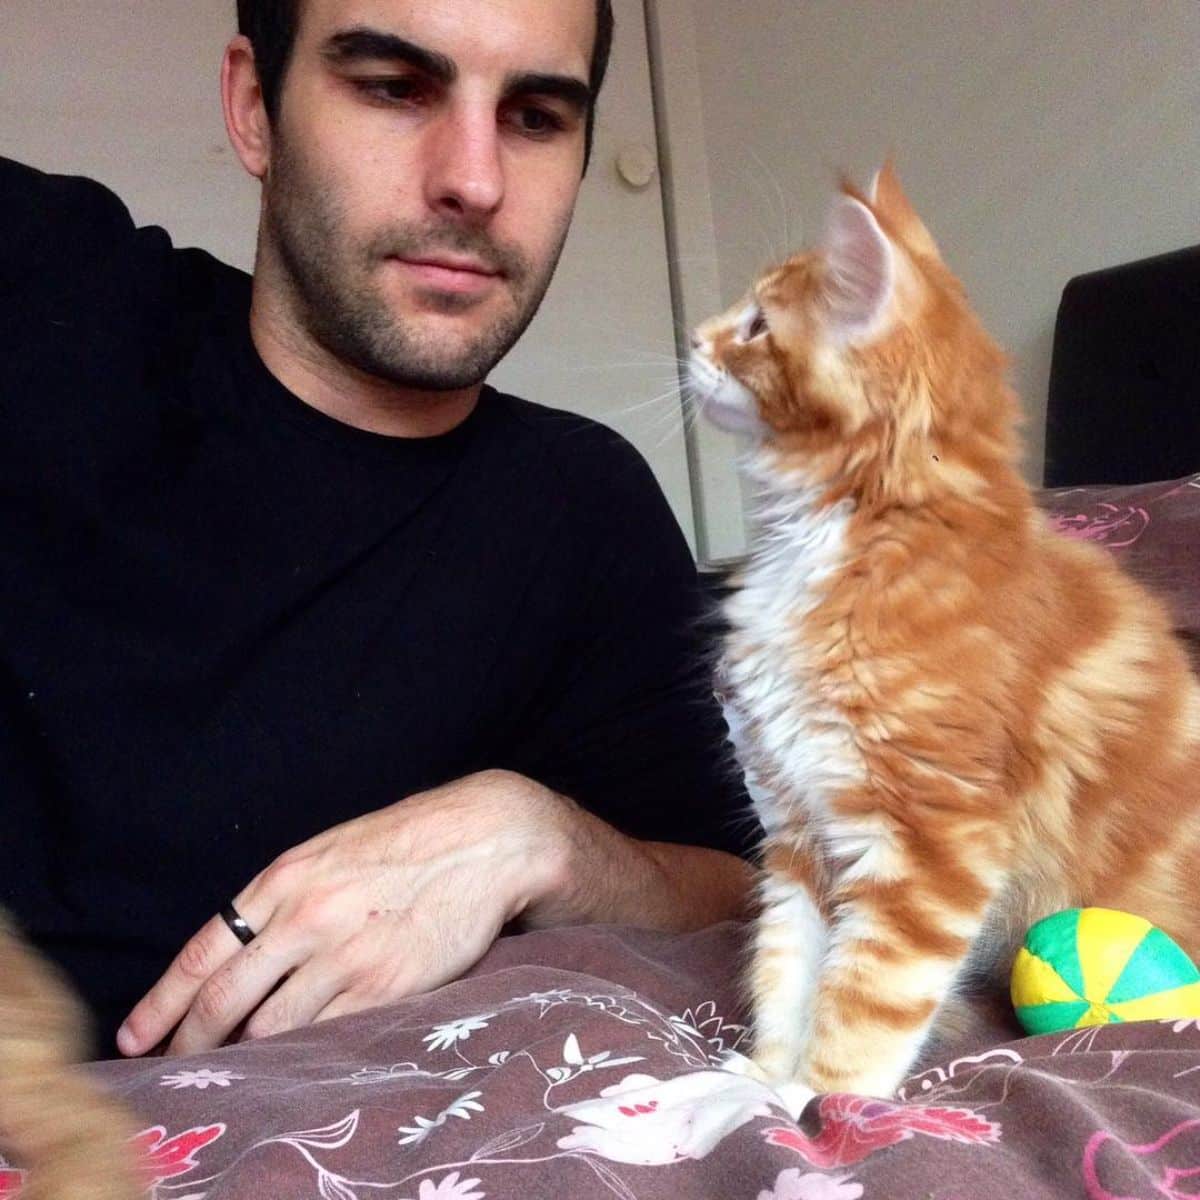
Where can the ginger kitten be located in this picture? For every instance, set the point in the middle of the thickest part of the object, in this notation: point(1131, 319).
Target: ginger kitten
point(73, 1140)
point(952, 720)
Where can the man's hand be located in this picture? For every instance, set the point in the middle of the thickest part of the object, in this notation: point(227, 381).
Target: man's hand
point(390, 904)
point(402, 900)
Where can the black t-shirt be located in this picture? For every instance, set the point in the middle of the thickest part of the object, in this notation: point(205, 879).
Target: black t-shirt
point(228, 622)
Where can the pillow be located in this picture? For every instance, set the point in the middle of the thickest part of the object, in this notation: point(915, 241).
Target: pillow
point(1153, 529)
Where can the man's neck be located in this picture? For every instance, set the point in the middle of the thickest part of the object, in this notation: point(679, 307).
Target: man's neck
point(349, 395)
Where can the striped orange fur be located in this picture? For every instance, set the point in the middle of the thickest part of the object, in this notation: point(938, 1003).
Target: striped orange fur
point(953, 720)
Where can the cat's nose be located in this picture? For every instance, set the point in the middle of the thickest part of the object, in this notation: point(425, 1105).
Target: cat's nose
point(696, 341)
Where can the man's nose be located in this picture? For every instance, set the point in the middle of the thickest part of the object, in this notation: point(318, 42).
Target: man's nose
point(465, 175)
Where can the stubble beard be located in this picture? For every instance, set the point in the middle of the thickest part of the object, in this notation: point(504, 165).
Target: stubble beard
point(338, 300)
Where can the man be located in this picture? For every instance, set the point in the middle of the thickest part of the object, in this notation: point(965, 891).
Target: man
point(300, 622)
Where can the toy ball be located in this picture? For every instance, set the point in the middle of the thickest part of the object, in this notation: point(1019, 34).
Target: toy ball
point(1093, 966)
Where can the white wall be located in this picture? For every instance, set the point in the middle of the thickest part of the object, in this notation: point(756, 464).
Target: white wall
point(128, 94)
point(1039, 138)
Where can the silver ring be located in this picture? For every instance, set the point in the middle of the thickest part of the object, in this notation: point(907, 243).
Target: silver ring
point(237, 924)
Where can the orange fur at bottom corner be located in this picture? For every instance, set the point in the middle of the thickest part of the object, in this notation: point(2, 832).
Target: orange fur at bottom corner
point(73, 1141)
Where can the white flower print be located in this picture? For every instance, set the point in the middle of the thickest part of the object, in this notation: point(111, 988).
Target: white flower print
point(453, 1032)
point(386, 1074)
point(1178, 1026)
point(574, 1063)
point(940, 1083)
point(201, 1079)
point(450, 1188)
point(414, 1135)
point(791, 1185)
point(652, 1122)
point(544, 999)
point(462, 1108)
point(705, 1024)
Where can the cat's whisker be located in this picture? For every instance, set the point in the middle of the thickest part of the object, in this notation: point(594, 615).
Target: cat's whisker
point(788, 246)
point(768, 201)
point(658, 403)
point(598, 368)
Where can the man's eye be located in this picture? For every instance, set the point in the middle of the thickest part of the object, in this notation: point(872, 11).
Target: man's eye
point(539, 122)
point(392, 88)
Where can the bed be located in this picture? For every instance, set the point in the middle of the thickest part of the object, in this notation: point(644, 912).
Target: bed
point(585, 1062)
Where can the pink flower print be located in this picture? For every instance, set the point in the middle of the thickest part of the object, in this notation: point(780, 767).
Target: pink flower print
point(165, 1158)
point(159, 1157)
point(1115, 527)
point(852, 1127)
point(791, 1185)
point(1106, 1155)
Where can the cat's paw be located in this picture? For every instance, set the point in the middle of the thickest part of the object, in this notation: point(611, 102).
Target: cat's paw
point(791, 1093)
point(739, 1064)
point(794, 1096)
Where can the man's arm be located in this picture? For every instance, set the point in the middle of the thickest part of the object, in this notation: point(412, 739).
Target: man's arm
point(403, 900)
point(54, 230)
point(596, 874)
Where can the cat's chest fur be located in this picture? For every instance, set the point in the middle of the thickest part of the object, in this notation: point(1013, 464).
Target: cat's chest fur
point(795, 745)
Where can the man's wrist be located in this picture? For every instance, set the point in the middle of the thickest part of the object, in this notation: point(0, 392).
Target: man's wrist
point(579, 865)
point(570, 867)
point(542, 821)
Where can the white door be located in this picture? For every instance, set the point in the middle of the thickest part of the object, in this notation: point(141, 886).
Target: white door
point(138, 109)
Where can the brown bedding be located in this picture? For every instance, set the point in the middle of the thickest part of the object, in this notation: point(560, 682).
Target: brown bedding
point(1153, 529)
point(583, 1063)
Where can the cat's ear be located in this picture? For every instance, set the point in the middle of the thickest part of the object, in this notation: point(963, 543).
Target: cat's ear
point(893, 205)
point(860, 271)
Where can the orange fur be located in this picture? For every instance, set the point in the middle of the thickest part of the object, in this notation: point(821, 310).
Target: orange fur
point(1002, 722)
point(73, 1140)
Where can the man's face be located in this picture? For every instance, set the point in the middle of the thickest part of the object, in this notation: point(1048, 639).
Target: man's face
point(424, 165)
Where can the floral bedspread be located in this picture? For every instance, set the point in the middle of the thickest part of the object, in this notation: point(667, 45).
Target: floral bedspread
point(585, 1063)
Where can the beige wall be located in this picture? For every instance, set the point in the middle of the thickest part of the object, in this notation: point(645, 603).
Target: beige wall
point(126, 91)
point(1039, 138)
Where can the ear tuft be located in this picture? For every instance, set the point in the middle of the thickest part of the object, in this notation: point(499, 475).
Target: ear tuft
point(893, 205)
point(860, 271)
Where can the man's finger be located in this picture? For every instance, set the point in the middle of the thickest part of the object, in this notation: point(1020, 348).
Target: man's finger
point(235, 990)
point(297, 1001)
point(343, 1005)
point(164, 1005)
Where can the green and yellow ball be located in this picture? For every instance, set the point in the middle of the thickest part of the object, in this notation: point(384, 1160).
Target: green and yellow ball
point(1093, 966)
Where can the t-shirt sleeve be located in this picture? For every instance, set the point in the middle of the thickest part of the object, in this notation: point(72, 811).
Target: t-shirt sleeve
point(54, 229)
point(633, 730)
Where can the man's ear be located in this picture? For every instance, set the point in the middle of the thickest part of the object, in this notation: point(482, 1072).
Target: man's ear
point(246, 119)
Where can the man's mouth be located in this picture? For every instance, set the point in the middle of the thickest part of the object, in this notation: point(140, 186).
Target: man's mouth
point(450, 273)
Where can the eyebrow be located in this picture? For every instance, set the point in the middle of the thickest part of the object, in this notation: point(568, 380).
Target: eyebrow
point(358, 45)
point(567, 88)
point(374, 45)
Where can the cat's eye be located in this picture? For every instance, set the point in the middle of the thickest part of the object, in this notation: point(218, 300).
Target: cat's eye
point(758, 326)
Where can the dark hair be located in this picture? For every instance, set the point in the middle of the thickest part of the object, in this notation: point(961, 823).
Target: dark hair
point(271, 27)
